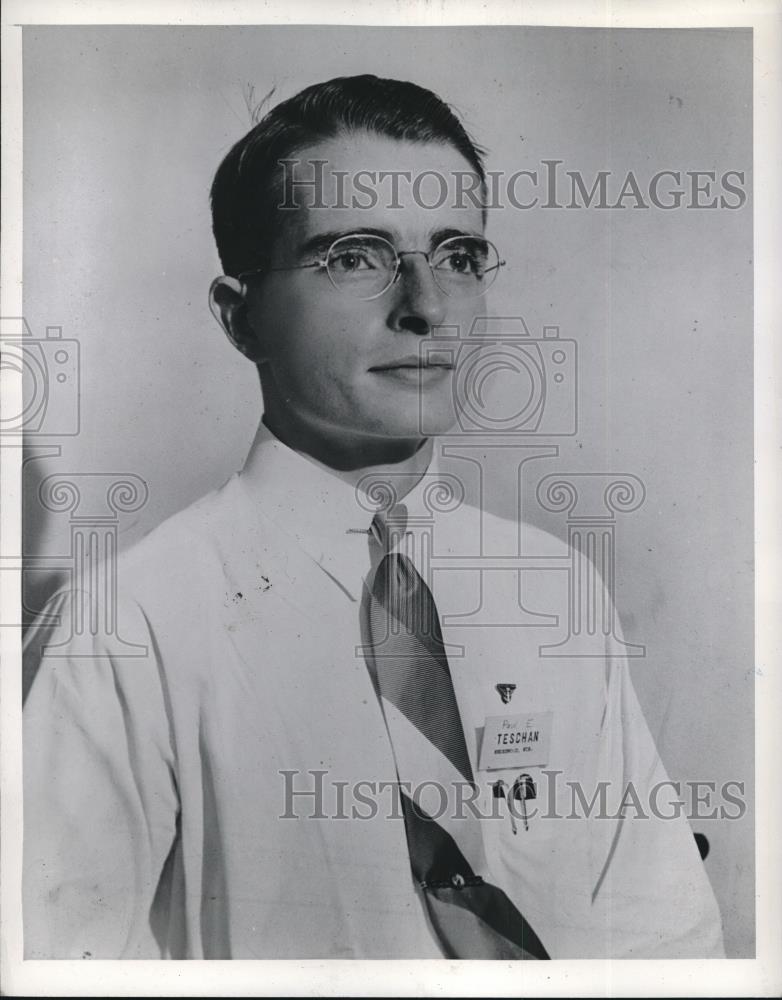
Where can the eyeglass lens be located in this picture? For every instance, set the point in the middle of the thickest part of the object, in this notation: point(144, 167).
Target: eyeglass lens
point(364, 265)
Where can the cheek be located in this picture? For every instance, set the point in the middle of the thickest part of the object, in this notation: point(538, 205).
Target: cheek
point(312, 347)
point(463, 315)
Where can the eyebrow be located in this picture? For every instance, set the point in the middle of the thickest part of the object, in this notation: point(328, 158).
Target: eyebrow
point(321, 242)
point(450, 233)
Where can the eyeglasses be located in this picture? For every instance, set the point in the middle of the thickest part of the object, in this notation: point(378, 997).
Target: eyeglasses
point(365, 266)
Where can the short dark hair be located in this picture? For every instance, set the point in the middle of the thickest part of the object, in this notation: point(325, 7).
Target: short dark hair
point(246, 188)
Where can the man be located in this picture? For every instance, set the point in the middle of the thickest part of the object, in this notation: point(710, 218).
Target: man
point(305, 761)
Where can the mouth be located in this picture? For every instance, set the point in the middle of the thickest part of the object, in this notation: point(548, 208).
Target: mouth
point(416, 374)
point(415, 364)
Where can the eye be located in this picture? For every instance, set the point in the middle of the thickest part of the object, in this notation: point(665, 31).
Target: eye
point(459, 262)
point(463, 258)
point(350, 259)
point(355, 255)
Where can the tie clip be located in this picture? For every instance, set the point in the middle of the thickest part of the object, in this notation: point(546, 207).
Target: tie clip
point(456, 881)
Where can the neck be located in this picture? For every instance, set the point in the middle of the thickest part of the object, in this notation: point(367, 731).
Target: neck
point(353, 458)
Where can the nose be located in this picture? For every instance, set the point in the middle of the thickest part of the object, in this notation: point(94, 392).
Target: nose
point(418, 303)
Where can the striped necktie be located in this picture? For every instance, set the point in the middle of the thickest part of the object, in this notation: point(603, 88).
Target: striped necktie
point(471, 917)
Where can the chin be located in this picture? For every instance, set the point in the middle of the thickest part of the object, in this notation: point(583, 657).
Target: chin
point(410, 432)
point(436, 419)
point(398, 431)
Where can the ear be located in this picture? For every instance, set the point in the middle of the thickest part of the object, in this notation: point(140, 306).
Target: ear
point(228, 302)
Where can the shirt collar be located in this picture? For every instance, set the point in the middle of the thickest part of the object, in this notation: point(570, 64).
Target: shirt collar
point(322, 510)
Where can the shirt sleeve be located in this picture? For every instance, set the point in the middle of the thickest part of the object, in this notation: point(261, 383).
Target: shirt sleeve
point(100, 811)
point(652, 895)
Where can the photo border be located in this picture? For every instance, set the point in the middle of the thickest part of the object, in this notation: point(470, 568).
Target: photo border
point(761, 976)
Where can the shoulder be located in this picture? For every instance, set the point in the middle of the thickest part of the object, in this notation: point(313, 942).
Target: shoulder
point(201, 543)
point(177, 572)
point(533, 540)
point(187, 537)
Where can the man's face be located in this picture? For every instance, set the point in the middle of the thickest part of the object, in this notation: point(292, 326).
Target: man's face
point(347, 369)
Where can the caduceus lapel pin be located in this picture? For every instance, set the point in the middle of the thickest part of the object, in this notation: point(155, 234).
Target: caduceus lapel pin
point(505, 692)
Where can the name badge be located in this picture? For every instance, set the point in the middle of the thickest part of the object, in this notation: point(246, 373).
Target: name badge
point(515, 741)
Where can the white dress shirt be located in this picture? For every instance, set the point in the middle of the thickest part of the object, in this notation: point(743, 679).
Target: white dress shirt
point(159, 819)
